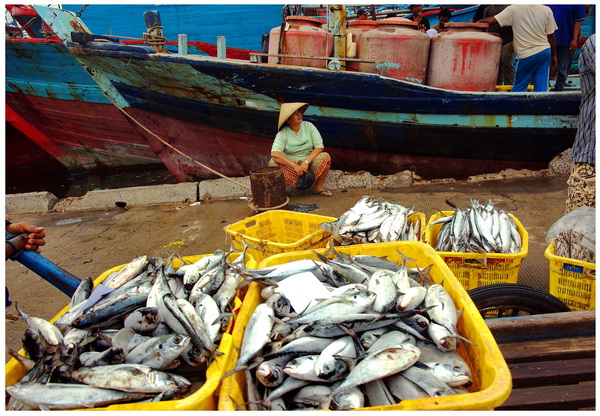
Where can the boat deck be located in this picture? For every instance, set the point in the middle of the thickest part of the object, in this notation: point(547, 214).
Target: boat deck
point(551, 358)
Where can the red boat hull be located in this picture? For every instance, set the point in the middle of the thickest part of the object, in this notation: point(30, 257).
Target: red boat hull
point(236, 154)
point(81, 135)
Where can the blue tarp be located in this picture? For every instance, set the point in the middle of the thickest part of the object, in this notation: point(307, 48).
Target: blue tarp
point(242, 25)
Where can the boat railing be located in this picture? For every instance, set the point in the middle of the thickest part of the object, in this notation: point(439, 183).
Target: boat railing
point(254, 57)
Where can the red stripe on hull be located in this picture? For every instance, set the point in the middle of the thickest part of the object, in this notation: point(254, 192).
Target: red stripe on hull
point(84, 135)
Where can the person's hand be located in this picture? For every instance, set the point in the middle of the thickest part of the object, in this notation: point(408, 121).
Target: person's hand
point(299, 168)
point(573, 45)
point(36, 234)
point(553, 62)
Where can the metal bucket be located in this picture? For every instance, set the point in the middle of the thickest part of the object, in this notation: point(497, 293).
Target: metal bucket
point(268, 188)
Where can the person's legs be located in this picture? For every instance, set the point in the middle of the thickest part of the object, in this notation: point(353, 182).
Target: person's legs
point(506, 70)
point(563, 55)
point(523, 73)
point(581, 189)
point(541, 71)
point(320, 167)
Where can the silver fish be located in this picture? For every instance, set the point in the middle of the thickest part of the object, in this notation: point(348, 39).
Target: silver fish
point(158, 352)
point(68, 396)
point(377, 393)
point(270, 374)
point(381, 283)
point(256, 335)
point(404, 389)
point(126, 377)
point(348, 303)
point(113, 355)
point(143, 320)
point(202, 266)
point(426, 380)
point(444, 339)
point(48, 331)
point(390, 339)
point(441, 307)
point(127, 339)
point(311, 395)
point(303, 368)
point(131, 270)
point(83, 291)
point(380, 364)
point(336, 359)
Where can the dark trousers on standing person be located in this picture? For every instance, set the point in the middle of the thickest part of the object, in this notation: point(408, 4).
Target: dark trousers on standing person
point(564, 57)
point(506, 69)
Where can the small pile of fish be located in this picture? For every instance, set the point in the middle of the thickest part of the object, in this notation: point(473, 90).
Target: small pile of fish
point(569, 244)
point(374, 220)
point(479, 229)
point(148, 339)
point(385, 334)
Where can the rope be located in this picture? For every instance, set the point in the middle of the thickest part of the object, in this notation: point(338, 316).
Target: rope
point(155, 39)
point(24, 27)
point(174, 148)
point(78, 14)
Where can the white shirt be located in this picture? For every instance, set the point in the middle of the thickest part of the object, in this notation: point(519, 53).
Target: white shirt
point(531, 24)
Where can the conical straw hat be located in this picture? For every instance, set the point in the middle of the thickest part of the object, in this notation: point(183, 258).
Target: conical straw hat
point(287, 109)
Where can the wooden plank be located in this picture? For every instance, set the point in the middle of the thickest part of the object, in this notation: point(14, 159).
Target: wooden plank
point(543, 373)
point(569, 397)
point(552, 349)
point(551, 325)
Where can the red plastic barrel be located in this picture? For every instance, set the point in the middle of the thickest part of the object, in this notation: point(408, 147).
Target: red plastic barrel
point(357, 28)
point(304, 36)
point(399, 50)
point(464, 58)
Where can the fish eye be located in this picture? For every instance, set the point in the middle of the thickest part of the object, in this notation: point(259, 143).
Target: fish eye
point(177, 339)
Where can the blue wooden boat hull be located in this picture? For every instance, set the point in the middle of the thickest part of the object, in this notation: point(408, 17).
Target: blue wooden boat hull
point(385, 124)
point(68, 115)
point(223, 113)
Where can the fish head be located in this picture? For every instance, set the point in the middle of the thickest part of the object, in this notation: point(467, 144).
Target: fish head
point(332, 369)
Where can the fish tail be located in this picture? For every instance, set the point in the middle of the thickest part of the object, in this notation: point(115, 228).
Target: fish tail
point(233, 371)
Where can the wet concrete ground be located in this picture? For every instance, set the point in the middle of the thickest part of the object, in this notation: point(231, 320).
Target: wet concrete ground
point(87, 243)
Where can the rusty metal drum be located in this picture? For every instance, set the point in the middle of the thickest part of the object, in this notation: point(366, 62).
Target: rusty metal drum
point(303, 36)
point(355, 29)
point(464, 58)
point(399, 50)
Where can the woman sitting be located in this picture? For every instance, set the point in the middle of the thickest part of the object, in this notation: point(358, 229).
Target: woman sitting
point(298, 148)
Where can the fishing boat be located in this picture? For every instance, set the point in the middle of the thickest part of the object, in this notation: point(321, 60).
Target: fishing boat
point(55, 103)
point(203, 115)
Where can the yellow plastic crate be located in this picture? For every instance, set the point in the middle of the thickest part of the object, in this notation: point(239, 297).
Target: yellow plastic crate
point(202, 397)
point(492, 381)
point(572, 281)
point(279, 231)
point(480, 269)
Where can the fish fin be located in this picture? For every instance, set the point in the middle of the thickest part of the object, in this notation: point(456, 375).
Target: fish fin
point(464, 339)
point(236, 404)
point(450, 203)
point(404, 258)
point(322, 257)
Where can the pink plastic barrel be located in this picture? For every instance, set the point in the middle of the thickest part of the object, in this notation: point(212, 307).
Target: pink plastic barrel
point(304, 37)
point(464, 58)
point(399, 50)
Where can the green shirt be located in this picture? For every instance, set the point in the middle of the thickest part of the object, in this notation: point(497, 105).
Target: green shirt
point(297, 146)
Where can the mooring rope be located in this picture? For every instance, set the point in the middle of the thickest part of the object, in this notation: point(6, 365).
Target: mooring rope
point(173, 147)
point(154, 38)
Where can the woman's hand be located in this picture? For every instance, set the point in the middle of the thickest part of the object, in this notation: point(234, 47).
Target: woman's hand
point(301, 168)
